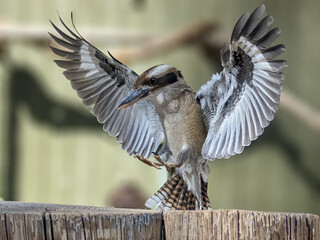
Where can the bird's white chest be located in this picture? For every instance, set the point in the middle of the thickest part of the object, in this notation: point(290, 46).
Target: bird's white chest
point(167, 106)
point(160, 98)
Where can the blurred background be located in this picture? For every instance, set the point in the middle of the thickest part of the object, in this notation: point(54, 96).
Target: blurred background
point(53, 150)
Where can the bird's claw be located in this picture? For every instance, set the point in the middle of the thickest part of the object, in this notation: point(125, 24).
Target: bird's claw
point(146, 161)
point(167, 165)
point(156, 165)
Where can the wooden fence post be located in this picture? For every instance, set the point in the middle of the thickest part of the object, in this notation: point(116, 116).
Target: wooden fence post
point(240, 224)
point(51, 221)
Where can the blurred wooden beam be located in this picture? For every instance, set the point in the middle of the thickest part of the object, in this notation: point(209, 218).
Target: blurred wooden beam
point(194, 34)
point(52, 221)
point(300, 110)
point(142, 44)
point(39, 34)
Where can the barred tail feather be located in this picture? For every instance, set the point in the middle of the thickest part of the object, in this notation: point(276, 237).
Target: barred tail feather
point(204, 194)
point(174, 194)
point(191, 201)
point(164, 192)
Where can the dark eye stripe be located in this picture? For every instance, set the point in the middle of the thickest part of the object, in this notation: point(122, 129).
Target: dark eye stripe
point(168, 79)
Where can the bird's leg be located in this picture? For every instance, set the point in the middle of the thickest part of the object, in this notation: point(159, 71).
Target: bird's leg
point(146, 161)
point(171, 161)
point(166, 164)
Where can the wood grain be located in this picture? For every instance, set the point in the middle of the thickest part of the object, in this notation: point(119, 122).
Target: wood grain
point(51, 221)
point(240, 224)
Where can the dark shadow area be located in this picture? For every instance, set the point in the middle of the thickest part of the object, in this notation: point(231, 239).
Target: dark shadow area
point(127, 195)
point(139, 5)
point(25, 90)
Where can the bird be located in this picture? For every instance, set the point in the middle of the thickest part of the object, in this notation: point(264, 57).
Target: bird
point(158, 114)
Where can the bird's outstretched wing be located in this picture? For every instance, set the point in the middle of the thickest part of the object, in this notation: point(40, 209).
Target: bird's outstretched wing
point(239, 102)
point(103, 81)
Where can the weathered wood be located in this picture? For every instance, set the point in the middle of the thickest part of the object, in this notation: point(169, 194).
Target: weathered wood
point(52, 221)
point(240, 224)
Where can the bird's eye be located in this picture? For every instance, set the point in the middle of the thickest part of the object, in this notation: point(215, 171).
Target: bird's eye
point(153, 81)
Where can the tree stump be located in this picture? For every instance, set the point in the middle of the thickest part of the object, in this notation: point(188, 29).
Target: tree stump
point(52, 221)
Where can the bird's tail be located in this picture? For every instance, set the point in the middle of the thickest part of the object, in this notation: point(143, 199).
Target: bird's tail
point(174, 194)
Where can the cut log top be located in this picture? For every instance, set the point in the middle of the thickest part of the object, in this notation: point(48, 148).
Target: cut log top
point(52, 221)
point(23, 207)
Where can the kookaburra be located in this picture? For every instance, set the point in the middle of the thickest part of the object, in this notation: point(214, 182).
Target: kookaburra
point(158, 114)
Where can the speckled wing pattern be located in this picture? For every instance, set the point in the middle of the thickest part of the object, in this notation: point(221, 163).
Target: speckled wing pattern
point(239, 102)
point(102, 82)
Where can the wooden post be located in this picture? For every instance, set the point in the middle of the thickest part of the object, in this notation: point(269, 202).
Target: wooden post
point(240, 224)
point(51, 221)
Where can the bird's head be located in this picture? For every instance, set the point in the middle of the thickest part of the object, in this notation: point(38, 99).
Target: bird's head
point(151, 82)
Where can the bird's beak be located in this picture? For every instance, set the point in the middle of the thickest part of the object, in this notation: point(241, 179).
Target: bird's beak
point(134, 96)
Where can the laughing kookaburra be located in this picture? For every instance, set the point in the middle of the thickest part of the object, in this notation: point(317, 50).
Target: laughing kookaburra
point(158, 114)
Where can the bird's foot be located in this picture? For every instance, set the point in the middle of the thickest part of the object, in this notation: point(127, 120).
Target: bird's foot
point(146, 161)
point(166, 164)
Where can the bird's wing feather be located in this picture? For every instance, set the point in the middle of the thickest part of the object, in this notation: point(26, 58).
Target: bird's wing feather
point(239, 102)
point(102, 81)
